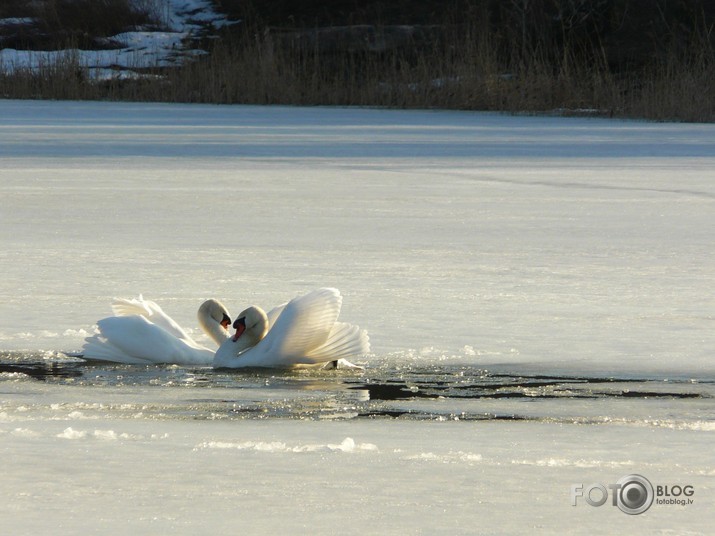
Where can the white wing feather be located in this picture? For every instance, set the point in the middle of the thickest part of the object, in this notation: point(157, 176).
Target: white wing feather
point(303, 326)
point(151, 311)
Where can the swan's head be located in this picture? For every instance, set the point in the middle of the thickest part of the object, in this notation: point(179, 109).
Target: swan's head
point(251, 324)
point(216, 311)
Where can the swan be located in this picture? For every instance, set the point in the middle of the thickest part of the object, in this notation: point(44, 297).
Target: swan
point(141, 333)
point(303, 331)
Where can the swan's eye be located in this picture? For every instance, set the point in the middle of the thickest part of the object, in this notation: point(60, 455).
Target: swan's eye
point(240, 322)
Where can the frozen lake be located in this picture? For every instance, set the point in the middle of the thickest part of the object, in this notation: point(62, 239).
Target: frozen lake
point(538, 293)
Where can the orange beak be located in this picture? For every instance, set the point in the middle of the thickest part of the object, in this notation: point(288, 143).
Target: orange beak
point(240, 326)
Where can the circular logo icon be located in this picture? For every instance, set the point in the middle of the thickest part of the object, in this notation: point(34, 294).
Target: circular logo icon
point(635, 495)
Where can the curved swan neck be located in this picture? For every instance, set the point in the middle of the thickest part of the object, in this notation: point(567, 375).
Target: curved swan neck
point(255, 321)
point(210, 315)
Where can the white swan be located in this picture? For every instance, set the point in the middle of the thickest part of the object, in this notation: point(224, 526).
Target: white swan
point(303, 331)
point(141, 333)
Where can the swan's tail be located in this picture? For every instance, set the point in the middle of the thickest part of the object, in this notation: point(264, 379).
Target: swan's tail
point(346, 341)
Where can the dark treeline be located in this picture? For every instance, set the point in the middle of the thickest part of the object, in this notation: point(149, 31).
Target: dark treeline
point(627, 33)
point(633, 58)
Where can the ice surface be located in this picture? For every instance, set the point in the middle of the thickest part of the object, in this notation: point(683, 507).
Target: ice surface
point(302, 477)
point(583, 243)
point(538, 293)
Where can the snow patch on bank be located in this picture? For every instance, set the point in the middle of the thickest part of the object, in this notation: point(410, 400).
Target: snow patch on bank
point(184, 21)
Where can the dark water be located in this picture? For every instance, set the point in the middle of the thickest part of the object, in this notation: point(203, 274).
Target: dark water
point(405, 391)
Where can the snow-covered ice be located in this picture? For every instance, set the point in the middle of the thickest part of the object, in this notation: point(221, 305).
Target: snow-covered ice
point(582, 242)
point(538, 292)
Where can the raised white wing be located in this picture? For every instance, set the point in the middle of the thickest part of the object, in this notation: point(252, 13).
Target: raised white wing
point(303, 325)
point(346, 341)
point(151, 311)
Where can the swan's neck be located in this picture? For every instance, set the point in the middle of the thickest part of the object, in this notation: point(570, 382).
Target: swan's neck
point(256, 322)
point(213, 329)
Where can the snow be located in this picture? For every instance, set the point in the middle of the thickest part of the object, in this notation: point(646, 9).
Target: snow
point(183, 21)
point(460, 241)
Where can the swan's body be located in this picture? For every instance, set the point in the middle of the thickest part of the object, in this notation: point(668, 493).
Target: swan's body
point(304, 331)
point(141, 333)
